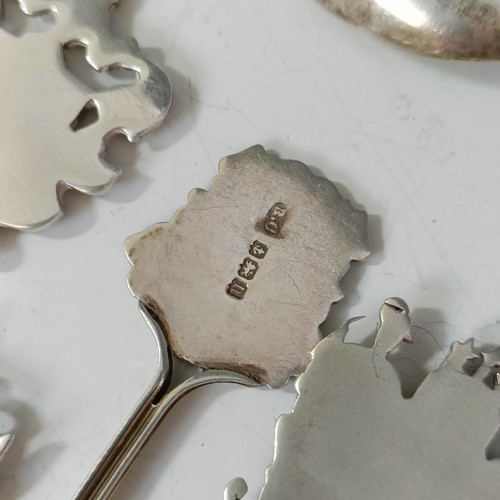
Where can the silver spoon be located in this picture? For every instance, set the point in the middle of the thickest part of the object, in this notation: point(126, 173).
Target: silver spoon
point(235, 285)
point(449, 29)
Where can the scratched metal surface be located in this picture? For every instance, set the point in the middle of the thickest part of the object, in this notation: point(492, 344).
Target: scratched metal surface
point(440, 443)
point(412, 141)
point(259, 318)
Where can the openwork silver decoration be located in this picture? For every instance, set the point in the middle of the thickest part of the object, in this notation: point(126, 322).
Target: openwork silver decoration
point(237, 284)
point(454, 29)
point(46, 146)
point(243, 275)
point(352, 435)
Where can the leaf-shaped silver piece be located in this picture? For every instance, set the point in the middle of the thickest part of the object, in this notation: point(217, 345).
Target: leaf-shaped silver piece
point(43, 149)
point(237, 284)
point(450, 29)
point(244, 274)
point(359, 437)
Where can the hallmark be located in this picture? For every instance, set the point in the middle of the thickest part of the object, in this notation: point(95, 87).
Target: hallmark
point(275, 219)
point(237, 289)
point(258, 250)
point(247, 270)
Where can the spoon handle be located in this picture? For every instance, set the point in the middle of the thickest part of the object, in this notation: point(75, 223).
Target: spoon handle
point(158, 399)
point(107, 474)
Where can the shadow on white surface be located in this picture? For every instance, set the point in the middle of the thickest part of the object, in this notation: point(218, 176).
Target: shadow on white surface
point(487, 73)
point(215, 450)
point(123, 17)
point(413, 362)
point(79, 216)
point(341, 311)
point(21, 470)
point(10, 251)
point(180, 119)
point(159, 455)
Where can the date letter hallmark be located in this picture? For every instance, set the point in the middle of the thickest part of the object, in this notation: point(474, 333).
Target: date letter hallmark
point(237, 289)
point(248, 269)
point(275, 219)
point(273, 225)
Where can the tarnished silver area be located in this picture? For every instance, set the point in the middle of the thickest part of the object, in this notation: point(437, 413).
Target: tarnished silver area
point(244, 274)
point(351, 433)
point(46, 146)
point(6, 441)
point(452, 29)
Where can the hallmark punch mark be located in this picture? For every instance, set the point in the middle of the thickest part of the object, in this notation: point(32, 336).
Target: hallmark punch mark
point(248, 269)
point(275, 219)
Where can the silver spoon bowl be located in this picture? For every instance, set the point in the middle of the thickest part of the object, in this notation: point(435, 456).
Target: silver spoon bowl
point(448, 29)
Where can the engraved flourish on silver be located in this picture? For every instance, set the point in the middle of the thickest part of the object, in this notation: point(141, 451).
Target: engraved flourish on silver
point(43, 151)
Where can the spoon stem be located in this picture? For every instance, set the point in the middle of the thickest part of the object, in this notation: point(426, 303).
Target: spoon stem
point(135, 433)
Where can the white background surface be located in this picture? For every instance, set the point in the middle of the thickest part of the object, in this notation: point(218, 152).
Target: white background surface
point(412, 141)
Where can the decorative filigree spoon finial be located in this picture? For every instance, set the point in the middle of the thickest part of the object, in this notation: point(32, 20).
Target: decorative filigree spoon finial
point(46, 142)
point(237, 284)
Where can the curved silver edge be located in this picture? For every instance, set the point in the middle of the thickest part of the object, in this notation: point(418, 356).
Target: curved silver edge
point(6, 441)
point(110, 469)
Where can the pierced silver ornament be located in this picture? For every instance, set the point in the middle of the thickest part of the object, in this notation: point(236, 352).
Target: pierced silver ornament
point(44, 147)
point(352, 434)
point(237, 285)
point(243, 276)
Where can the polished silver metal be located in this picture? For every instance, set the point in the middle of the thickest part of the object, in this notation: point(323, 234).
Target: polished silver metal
point(352, 434)
point(451, 29)
point(163, 392)
point(45, 148)
point(6, 441)
point(244, 274)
